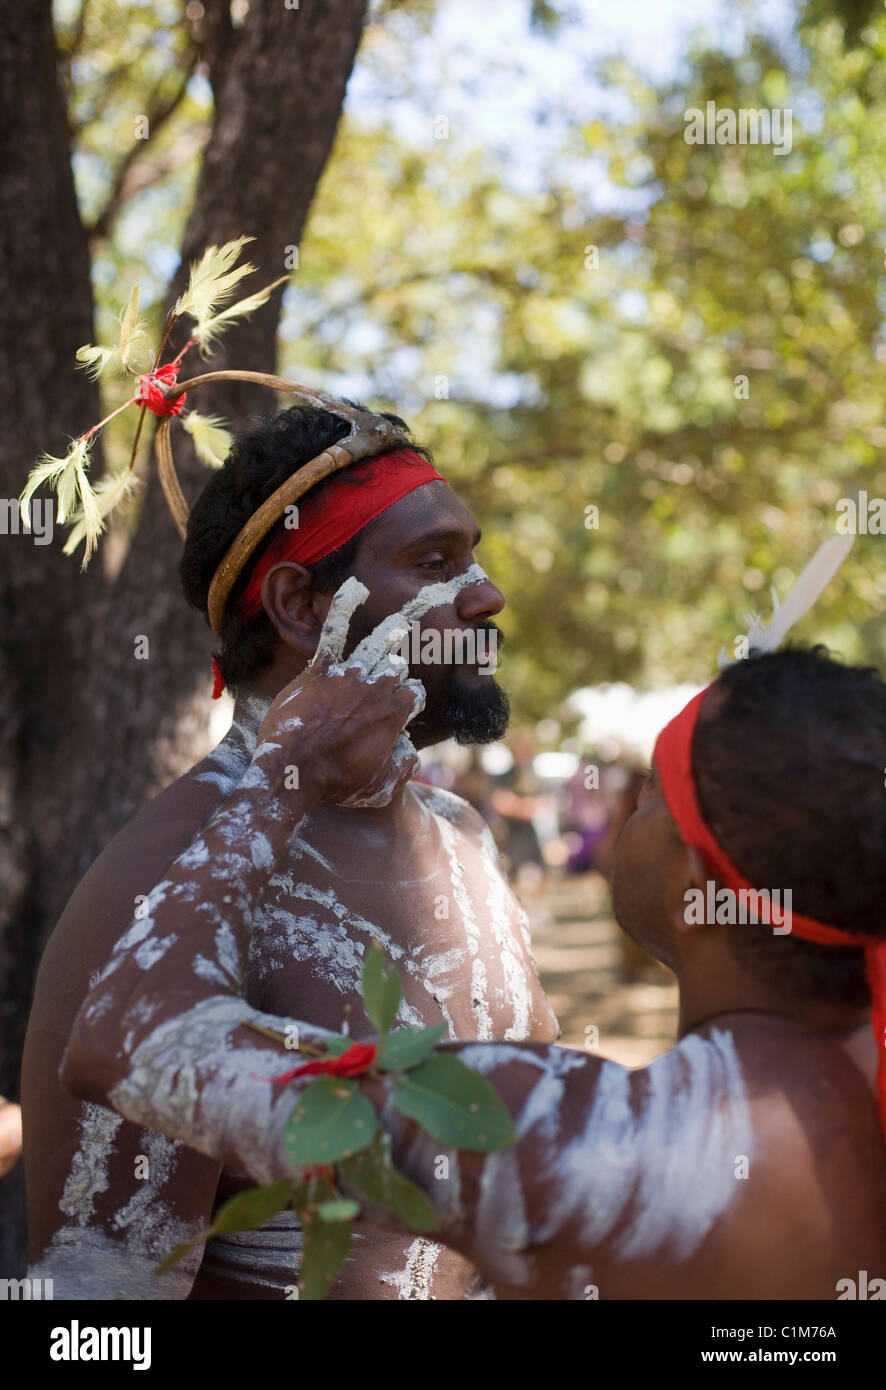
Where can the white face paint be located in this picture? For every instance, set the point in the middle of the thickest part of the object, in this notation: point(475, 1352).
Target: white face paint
point(374, 656)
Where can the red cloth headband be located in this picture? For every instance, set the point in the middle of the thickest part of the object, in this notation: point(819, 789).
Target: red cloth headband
point(673, 759)
point(328, 520)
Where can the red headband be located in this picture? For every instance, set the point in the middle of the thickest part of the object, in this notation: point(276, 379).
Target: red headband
point(328, 520)
point(673, 759)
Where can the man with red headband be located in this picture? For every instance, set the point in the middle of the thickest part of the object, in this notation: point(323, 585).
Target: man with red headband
point(749, 1161)
point(301, 841)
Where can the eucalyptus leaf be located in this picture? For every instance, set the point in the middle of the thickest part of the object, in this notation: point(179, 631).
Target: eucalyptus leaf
point(331, 1120)
point(409, 1047)
point(381, 990)
point(373, 1177)
point(339, 1209)
point(455, 1105)
point(324, 1249)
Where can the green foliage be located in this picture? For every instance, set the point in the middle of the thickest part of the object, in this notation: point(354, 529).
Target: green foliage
point(332, 1120)
point(454, 1104)
point(569, 386)
point(408, 1047)
point(373, 1177)
point(325, 1242)
point(381, 990)
point(333, 1126)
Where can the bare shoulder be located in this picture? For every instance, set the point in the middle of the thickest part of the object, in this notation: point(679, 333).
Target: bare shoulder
point(457, 811)
point(133, 861)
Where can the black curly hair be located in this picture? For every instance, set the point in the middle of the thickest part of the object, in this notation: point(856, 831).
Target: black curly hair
point(789, 771)
point(260, 460)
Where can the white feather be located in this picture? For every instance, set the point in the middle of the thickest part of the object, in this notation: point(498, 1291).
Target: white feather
point(810, 584)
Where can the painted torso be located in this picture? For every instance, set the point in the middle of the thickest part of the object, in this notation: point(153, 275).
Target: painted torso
point(426, 884)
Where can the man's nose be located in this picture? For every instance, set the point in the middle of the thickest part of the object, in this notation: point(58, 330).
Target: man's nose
point(482, 600)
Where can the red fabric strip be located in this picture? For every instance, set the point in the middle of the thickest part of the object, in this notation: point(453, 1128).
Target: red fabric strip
point(342, 509)
point(673, 759)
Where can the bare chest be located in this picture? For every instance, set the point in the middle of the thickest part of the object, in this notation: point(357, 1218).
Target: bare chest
point(438, 904)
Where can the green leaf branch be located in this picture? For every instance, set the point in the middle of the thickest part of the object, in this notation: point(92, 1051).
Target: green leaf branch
point(333, 1133)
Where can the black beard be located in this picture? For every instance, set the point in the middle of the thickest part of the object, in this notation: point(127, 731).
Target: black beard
point(476, 712)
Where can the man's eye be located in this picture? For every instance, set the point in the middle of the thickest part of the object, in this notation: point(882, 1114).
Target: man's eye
point(435, 564)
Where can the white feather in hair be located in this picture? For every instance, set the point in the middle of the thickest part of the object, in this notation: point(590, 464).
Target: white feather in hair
point(810, 584)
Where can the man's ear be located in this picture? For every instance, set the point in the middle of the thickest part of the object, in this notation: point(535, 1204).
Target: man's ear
point(296, 610)
point(691, 912)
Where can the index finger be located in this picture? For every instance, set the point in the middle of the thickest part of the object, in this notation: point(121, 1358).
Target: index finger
point(334, 633)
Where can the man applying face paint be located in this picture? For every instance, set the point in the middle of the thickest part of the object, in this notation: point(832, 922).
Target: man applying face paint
point(264, 873)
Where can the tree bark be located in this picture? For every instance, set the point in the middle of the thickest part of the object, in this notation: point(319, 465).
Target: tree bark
point(88, 731)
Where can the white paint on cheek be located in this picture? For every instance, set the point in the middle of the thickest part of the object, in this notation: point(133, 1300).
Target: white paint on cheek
point(376, 647)
point(89, 1167)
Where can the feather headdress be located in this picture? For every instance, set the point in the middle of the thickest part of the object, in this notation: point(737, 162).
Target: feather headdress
point(212, 281)
point(809, 585)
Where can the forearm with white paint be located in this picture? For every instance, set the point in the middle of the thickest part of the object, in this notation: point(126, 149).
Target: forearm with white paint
point(630, 1164)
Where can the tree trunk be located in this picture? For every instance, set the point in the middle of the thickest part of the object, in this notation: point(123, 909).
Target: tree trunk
point(88, 730)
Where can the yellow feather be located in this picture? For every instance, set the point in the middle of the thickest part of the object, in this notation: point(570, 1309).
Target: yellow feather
point(212, 441)
point(212, 279)
point(211, 328)
point(59, 473)
point(108, 493)
point(95, 359)
point(132, 328)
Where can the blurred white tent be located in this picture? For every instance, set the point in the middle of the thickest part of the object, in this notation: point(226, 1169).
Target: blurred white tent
point(620, 722)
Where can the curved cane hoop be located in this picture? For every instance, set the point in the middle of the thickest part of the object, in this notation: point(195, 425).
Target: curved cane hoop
point(369, 434)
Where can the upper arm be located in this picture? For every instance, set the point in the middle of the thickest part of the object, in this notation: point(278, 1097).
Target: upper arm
point(104, 1195)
